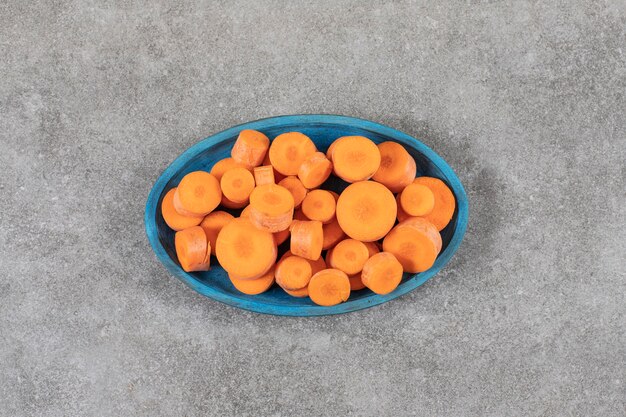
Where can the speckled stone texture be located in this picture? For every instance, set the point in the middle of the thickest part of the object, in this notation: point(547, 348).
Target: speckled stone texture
point(525, 100)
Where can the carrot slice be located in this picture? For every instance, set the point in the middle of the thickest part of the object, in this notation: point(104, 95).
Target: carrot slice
point(333, 234)
point(366, 211)
point(250, 148)
point(417, 200)
point(355, 158)
point(414, 248)
point(271, 207)
point(444, 201)
point(213, 223)
point(402, 215)
point(264, 175)
point(198, 193)
point(315, 170)
point(372, 248)
point(426, 227)
point(224, 165)
point(244, 250)
point(192, 249)
point(296, 188)
point(306, 239)
point(355, 282)
point(231, 204)
point(319, 205)
point(278, 177)
point(329, 287)
point(382, 273)
point(397, 167)
point(237, 184)
point(180, 209)
point(289, 150)
point(301, 293)
point(172, 218)
point(316, 265)
point(254, 286)
point(349, 256)
point(293, 273)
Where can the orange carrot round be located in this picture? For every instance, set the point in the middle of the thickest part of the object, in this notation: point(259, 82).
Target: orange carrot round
point(316, 265)
point(333, 234)
point(426, 227)
point(192, 249)
point(250, 148)
point(199, 193)
point(301, 293)
point(295, 187)
point(271, 207)
point(415, 249)
point(293, 273)
point(349, 256)
point(355, 282)
point(254, 286)
point(237, 184)
point(445, 203)
point(355, 158)
point(397, 167)
point(329, 287)
point(213, 223)
point(223, 165)
point(382, 273)
point(417, 200)
point(264, 175)
point(366, 211)
point(172, 218)
point(289, 150)
point(319, 205)
point(306, 239)
point(315, 170)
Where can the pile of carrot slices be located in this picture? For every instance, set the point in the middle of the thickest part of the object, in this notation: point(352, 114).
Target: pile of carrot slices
point(386, 221)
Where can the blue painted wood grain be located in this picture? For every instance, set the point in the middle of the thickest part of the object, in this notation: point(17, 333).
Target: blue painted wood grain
point(322, 129)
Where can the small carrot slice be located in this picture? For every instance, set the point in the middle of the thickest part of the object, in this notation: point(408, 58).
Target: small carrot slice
point(415, 249)
point(192, 249)
point(296, 188)
point(264, 175)
point(426, 227)
point(245, 251)
point(315, 170)
point(319, 205)
point(293, 273)
point(306, 239)
point(355, 158)
point(355, 282)
point(329, 287)
point(271, 207)
point(402, 215)
point(223, 165)
point(316, 265)
point(289, 150)
point(237, 184)
point(366, 211)
point(250, 148)
point(173, 219)
point(301, 293)
point(199, 193)
point(397, 167)
point(180, 209)
point(254, 286)
point(445, 203)
point(349, 256)
point(277, 175)
point(333, 234)
point(382, 273)
point(417, 200)
point(213, 223)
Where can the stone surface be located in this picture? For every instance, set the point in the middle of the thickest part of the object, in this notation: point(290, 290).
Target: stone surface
point(525, 100)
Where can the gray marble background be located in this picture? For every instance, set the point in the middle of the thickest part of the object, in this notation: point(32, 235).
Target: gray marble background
point(525, 100)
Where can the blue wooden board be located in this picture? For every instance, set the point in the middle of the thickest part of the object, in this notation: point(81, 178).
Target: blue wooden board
point(322, 129)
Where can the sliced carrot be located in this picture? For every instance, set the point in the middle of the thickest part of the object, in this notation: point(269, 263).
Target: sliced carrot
point(414, 248)
point(271, 207)
point(319, 205)
point(231, 204)
point(180, 209)
point(224, 165)
point(250, 148)
point(382, 273)
point(237, 184)
point(397, 167)
point(289, 150)
point(426, 227)
point(355, 282)
point(172, 218)
point(293, 273)
point(366, 211)
point(277, 175)
point(372, 248)
point(417, 200)
point(254, 286)
point(333, 234)
point(349, 256)
point(355, 158)
point(192, 249)
point(301, 293)
point(315, 170)
point(213, 223)
point(245, 251)
point(444, 201)
point(264, 175)
point(402, 215)
point(329, 287)
point(316, 265)
point(282, 236)
point(295, 187)
point(306, 239)
point(198, 193)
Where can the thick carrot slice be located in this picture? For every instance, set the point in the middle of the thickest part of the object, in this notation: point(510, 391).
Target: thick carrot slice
point(306, 239)
point(382, 273)
point(366, 210)
point(180, 209)
point(231, 204)
point(301, 293)
point(426, 227)
point(224, 165)
point(237, 184)
point(198, 193)
point(245, 251)
point(415, 249)
point(289, 150)
point(315, 170)
point(192, 249)
point(355, 158)
point(355, 282)
point(319, 205)
point(264, 175)
point(349, 256)
point(329, 287)
point(254, 286)
point(444, 201)
point(295, 187)
point(172, 218)
point(397, 168)
point(417, 200)
point(213, 223)
point(402, 215)
point(278, 177)
point(333, 234)
point(271, 207)
point(250, 148)
point(293, 273)
point(316, 265)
